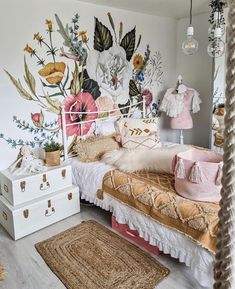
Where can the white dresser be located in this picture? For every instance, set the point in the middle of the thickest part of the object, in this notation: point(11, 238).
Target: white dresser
point(30, 203)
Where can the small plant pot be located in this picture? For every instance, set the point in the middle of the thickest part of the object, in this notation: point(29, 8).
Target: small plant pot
point(52, 158)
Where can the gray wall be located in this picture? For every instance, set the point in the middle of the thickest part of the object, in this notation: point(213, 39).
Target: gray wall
point(197, 73)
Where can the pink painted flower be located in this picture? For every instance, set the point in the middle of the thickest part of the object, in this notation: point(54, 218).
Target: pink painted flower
point(148, 96)
point(105, 103)
point(68, 55)
point(83, 102)
point(37, 119)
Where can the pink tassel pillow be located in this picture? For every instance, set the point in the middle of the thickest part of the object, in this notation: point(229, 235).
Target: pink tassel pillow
point(198, 175)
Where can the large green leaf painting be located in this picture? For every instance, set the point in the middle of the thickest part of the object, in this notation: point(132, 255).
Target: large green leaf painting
point(128, 43)
point(103, 39)
point(133, 89)
point(90, 85)
point(124, 108)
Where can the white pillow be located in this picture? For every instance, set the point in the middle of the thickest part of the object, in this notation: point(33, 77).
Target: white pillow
point(105, 127)
point(137, 126)
point(151, 141)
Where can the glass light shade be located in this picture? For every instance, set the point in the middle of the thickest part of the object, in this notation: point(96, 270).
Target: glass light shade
point(190, 45)
point(216, 48)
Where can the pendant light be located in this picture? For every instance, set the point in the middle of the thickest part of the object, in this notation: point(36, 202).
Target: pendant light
point(211, 31)
point(216, 46)
point(190, 45)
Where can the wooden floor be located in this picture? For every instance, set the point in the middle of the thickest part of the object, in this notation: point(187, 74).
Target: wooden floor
point(26, 269)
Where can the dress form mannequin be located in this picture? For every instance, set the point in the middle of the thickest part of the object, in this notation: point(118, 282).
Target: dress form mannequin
point(178, 103)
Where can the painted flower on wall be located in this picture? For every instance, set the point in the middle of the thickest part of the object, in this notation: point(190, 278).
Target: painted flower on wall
point(138, 61)
point(38, 119)
point(148, 96)
point(105, 104)
point(53, 72)
point(112, 72)
point(84, 103)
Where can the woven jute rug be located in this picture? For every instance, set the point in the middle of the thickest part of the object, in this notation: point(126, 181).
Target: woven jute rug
point(90, 256)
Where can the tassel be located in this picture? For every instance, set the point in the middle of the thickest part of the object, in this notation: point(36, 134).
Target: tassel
point(219, 175)
point(196, 174)
point(179, 169)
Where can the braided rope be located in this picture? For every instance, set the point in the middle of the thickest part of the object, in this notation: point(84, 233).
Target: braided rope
point(224, 270)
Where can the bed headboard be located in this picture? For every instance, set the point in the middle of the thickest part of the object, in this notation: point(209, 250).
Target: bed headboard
point(109, 113)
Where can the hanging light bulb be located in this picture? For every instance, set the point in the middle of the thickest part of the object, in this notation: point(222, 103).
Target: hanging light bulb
point(190, 45)
point(216, 47)
point(211, 30)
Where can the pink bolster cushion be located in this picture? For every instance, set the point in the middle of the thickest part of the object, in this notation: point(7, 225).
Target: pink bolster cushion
point(198, 175)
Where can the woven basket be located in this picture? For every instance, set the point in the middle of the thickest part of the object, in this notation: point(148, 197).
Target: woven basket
point(52, 158)
point(198, 175)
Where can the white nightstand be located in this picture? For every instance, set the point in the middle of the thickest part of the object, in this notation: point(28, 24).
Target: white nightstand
point(30, 203)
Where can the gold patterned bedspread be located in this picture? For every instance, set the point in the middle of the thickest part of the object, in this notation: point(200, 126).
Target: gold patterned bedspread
point(154, 195)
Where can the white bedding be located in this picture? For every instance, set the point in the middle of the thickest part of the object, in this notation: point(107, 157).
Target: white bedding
point(89, 176)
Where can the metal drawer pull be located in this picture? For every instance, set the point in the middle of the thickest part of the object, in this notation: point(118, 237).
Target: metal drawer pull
point(63, 173)
point(45, 185)
point(5, 188)
point(22, 186)
point(70, 196)
point(26, 213)
point(47, 214)
point(4, 215)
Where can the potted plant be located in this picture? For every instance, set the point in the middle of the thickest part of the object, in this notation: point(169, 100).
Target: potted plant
point(52, 153)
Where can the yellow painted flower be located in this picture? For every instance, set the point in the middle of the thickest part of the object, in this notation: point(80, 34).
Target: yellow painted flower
point(138, 61)
point(84, 37)
point(49, 24)
point(53, 72)
point(37, 36)
point(28, 49)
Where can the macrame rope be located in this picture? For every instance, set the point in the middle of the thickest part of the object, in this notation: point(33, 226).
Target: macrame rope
point(224, 270)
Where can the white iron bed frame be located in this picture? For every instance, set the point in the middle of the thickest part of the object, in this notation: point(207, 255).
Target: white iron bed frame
point(109, 112)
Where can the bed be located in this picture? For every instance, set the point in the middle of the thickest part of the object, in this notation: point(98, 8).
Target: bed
point(90, 178)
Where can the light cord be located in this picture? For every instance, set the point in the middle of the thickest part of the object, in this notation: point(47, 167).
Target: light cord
point(191, 11)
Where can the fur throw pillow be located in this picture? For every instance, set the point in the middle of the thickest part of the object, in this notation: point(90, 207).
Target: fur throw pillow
point(156, 160)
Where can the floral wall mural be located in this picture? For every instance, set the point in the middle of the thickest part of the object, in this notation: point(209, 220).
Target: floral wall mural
point(85, 73)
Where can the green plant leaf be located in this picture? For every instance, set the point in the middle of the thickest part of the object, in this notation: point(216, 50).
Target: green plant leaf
point(103, 39)
point(29, 78)
point(55, 105)
point(63, 31)
point(67, 78)
point(123, 109)
point(133, 89)
point(55, 94)
point(49, 85)
point(128, 43)
point(52, 146)
point(138, 43)
point(23, 93)
point(75, 86)
point(90, 85)
point(120, 31)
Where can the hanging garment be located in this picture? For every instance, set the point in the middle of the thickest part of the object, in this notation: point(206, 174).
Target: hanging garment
point(174, 104)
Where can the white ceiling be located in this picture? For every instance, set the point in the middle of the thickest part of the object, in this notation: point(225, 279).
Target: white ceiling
point(170, 8)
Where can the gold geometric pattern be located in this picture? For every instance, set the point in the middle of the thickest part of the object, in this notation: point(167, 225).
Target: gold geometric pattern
point(154, 195)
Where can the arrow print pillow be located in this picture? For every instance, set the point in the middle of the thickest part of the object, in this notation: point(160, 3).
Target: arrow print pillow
point(137, 127)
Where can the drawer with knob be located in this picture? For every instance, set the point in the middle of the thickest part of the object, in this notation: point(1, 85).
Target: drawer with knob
point(22, 220)
point(20, 189)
